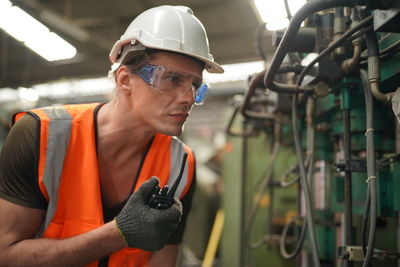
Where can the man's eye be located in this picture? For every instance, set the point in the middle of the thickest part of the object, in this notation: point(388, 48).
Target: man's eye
point(174, 78)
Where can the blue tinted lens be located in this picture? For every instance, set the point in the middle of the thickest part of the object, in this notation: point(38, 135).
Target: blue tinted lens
point(201, 94)
point(146, 73)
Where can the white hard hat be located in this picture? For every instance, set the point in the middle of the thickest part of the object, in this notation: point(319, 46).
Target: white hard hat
point(171, 28)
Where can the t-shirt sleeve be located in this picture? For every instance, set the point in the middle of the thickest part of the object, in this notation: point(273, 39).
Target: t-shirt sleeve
point(18, 173)
point(177, 236)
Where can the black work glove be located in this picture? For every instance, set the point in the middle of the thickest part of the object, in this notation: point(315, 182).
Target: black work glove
point(144, 227)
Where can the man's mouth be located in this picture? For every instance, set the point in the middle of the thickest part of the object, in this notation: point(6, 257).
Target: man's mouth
point(180, 116)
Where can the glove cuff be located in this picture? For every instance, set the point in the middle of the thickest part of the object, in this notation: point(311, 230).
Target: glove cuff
point(122, 226)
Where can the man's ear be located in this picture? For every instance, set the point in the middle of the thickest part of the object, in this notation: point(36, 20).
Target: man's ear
point(123, 80)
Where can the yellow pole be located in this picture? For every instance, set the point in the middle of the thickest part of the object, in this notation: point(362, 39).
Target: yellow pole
point(215, 236)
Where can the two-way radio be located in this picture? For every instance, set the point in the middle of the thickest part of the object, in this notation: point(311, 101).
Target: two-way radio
point(162, 198)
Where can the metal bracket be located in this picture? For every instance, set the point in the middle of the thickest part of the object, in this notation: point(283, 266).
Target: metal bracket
point(355, 253)
point(353, 165)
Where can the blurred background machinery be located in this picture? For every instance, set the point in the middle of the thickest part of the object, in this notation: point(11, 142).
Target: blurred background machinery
point(316, 135)
point(298, 158)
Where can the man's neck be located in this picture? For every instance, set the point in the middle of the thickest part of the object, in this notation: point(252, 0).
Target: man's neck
point(116, 134)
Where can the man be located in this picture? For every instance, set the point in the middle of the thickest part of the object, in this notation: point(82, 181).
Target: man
point(75, 180)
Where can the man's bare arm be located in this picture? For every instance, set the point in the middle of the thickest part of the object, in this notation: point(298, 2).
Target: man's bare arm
point(165, 257)
point(18, 247)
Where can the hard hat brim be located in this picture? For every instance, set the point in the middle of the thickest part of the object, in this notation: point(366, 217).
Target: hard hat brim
point(210, 66)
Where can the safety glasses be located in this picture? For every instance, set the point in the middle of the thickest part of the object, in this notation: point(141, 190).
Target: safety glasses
point(174, 83)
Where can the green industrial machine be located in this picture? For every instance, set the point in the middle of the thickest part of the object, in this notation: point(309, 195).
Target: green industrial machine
point(260, 240)
point(311, 176)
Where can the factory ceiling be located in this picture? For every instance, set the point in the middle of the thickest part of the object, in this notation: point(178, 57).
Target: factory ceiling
point(92, 26)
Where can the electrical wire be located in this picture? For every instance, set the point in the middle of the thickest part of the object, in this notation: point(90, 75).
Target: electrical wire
point(389, 55)
point(265, 184)
point(360, 33)
point(299, 243)
point(263, 187)
point(393, 48)
point(385, 56)
point(384, 162)
point(364, 224)
point(309, 163)
point(300, 240)
point(294, 169)
point(390, 48)
point(371, 203)
point(304, 183)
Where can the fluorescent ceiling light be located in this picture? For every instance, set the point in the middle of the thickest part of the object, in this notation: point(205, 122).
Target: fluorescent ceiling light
point(28, 94)
point(235, 72)
point(75, 88)
point(273, 12)
point(33, 34)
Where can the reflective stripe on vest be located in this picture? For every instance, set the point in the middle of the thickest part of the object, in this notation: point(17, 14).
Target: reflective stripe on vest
point(58, 138)
point(67, 144)
point(177, 153)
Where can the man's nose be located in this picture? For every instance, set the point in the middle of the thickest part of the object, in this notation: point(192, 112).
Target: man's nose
point(188, 95)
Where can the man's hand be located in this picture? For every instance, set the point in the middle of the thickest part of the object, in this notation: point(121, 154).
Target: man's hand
point(144, 227)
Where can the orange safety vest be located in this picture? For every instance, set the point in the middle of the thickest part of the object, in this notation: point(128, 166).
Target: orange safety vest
point(69, 179)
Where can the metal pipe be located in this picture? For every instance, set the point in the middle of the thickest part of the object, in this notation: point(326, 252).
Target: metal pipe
point(374, 72)
point(229, 130)
point(349, 65)
point(348, 215)
point(254, 83)
point(339, 29)
point(308, 9)
point(378, 94)
point(255, 80)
